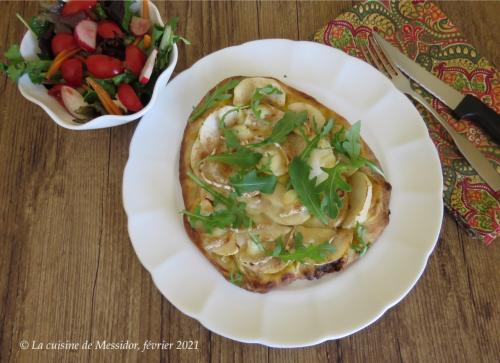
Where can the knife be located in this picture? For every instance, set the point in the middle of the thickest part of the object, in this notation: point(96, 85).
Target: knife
point(462, 106)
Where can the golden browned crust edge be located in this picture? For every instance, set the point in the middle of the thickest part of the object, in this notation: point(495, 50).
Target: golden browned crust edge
point(256, 283)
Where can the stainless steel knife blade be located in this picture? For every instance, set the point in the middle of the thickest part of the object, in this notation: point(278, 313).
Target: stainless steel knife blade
point(447, 94)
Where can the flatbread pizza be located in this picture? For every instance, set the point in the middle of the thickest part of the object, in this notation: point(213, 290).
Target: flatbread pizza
point(276, 186)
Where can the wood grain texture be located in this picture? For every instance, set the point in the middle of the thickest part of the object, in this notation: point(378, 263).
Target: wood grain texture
point(68, 271)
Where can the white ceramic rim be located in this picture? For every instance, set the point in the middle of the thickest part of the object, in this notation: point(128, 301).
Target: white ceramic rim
point(29, 52)
point(181, 290)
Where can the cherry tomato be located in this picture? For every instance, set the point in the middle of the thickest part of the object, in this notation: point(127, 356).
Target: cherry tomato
point(55, 92)
point(62, 41)
point(104, 66)
point(129, 98)
point(134, 59)
point(74, 6)
point(108, 29)
point(72, 71)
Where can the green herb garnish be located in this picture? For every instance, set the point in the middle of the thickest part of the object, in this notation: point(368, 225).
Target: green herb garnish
point(300, 252)
point(256, 239)
point(361, 246)
point(220, 93)
point(236, 278)
point(17, 66)
point(232, 214)
point(289, 122)
point(313, 143)
point(348, 143)
point(242, 157)
point(306, 188)
point(332, 202)
point(258, 95)
point(251, 181)
point(218, 219)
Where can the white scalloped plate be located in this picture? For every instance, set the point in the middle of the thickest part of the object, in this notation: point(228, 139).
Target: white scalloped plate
point(305, 312)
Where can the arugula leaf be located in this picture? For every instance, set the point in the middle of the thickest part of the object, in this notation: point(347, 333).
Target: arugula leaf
point(315, 252)
point(222, 124)
point(278, 247)
point(289, 122)
point(234, 208)
point(242, 157)
point(250, 182)
point(332, 202)
point(220, 93)
point(218, 219)
point(306, 188)
point(258, 95)
point(352, 145)
point(256, 239)
point(311, 144)
point(218, 197)
point(348, 143)
point(337, 140)
point(230, 137)
point(265, 168)
point(374, 167)
point(361, 246)
point(236, 278)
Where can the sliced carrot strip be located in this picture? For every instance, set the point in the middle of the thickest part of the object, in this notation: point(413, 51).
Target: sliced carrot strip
point(145, 9)
point(59, 59)
point(105, 98)
point(147, 41)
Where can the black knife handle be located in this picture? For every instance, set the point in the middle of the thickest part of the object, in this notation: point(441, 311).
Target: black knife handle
point(471, 108)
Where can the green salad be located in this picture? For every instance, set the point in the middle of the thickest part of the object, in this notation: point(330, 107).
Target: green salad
point(95, 57)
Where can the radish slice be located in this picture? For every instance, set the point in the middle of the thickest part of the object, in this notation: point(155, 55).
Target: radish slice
point(139, 26)
point(86, 34)
point(147, 70)
point(73, 100)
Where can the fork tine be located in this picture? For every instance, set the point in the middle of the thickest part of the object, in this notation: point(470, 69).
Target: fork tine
point(376, 61)
point(383, 56)
point(366, 55)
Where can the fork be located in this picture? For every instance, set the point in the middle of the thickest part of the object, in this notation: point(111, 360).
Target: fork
point(375, 55)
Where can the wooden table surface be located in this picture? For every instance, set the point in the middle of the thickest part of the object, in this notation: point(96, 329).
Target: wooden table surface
point(68, 272)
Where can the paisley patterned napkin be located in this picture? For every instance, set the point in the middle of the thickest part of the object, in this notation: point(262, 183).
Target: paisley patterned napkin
point(424, 33)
